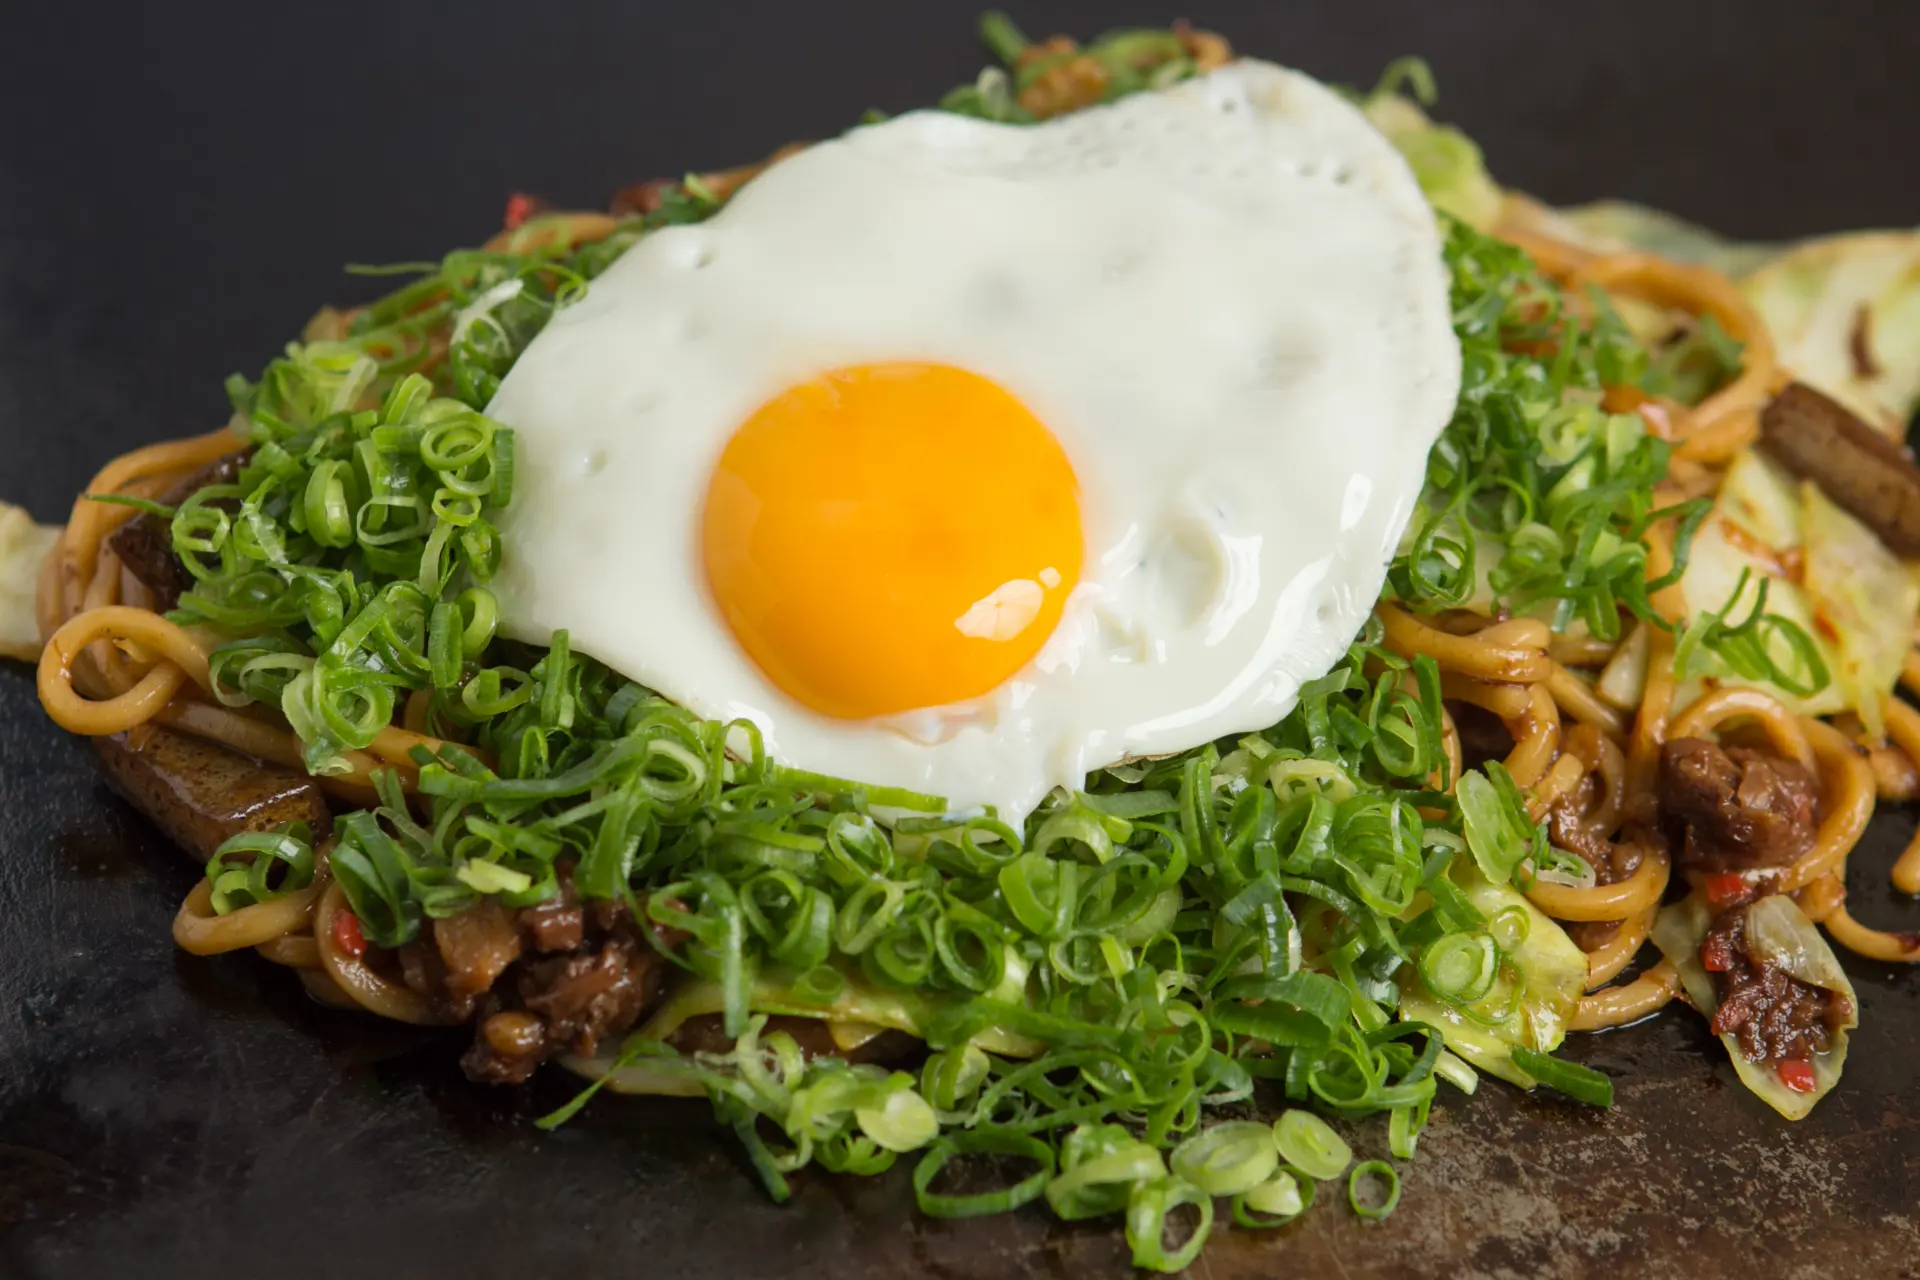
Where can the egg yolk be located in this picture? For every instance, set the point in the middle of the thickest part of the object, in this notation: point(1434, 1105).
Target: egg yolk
point(889, 537)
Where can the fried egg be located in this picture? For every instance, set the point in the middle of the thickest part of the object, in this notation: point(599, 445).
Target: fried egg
point(969, 458)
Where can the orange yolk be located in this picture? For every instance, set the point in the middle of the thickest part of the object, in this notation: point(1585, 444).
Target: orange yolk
point(892, 536)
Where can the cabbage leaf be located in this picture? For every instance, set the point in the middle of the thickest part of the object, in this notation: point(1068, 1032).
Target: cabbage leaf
point(1530, 1001)
point(1780, 933)
point(23, 549)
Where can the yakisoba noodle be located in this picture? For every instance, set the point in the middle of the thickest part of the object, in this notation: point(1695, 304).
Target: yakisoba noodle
point(1729, 419)
point(1903, 728)
point(356, 980)
point(112, 665)
point(109, 667)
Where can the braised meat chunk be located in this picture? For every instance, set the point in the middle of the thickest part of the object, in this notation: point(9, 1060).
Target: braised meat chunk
point(556, 925)
point(1569, 827)
point(1612, 860)
point(569, 977)
point(589, 995)
point(476, 946)
point(1773, 1015)
point(1736, 809)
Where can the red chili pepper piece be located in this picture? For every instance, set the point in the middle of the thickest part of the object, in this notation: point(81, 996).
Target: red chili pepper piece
point(1797, 1075)
point(347, 936)
point(1727, 889)
point(520, 207)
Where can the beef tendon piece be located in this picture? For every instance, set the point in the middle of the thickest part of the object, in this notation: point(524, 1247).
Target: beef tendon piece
point(569, 977)
point(589, 996)
point(1612, 860)
point(560, 923)
point(422, 969)
point(476, 946)
point(510, 1045)
point(1862, 471)
point(1734, 810)
point(201, 794)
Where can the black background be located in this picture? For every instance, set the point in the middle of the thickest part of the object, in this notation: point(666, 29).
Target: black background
point(179, 184)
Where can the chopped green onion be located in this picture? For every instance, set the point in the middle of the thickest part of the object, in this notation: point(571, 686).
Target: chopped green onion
point(1277, 1201)
point(1456, 1072)
point(1149, 1208)
point(240, 870)
point(1411, 74)
point(951, 1077)
point(1367, 1203)
point(1100, 1165)
point(903, 1123)
point(144, 505)
point(1460, 967)
point(1403, 1128)
point(1309, 1144)
point(443, 645)
point(1499, 835)
point(1002, 37)
point(1227, 1159)
point(491, 877)
point(821, 985)
point(997, 1142)
point(1582, 1084)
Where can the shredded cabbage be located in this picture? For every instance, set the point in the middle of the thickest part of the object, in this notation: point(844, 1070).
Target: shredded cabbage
point(1540, 980)
point(1851, 600)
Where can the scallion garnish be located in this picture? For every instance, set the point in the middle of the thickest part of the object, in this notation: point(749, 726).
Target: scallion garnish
point(1309, 1144)
point(1099, 1167)
point(1155, 1202)
point(982, 1142)
point(1228, 1159)
point(1533, 476)
point(1275, 1202)
point(1582, 1084)
point(1368, 1202)
point(258, 866)
point(144, 505)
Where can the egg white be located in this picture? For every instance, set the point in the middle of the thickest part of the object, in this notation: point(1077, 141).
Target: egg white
point(1226, 300)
